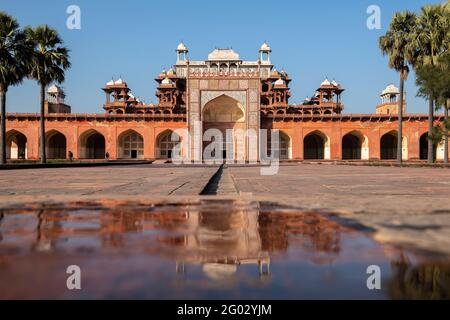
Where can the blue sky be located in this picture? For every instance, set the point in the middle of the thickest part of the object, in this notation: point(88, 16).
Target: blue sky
point(135, 39)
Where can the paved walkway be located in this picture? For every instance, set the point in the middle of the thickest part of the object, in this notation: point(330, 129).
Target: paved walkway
point(407, 206)
point(124, 182)
point(351, 188)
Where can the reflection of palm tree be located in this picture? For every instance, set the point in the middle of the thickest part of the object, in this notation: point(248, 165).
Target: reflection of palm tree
point(2, 215)
point(427, 281)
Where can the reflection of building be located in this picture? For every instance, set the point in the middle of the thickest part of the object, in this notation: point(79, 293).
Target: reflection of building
point(220, 237)
point(222, 92)
point(222, 241)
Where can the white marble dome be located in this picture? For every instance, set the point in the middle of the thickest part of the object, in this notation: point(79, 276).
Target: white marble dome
point(166, 81)
point(280, 82)
point(182, 48)
point(390, 89)
point(265, 47)
point(223, 55)
point(326, 82)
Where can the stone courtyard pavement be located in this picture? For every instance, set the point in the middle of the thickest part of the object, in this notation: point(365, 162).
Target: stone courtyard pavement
point(405, 206)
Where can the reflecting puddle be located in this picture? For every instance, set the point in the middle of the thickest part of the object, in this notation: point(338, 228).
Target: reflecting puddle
point(206, 250)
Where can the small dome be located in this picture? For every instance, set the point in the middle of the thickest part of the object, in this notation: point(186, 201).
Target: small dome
point(334, 83)
point(182, 48)
point(326, 82)
point(110, 83)
point(390, 89)
point(55, 89)
point(265, 47)
point(167, 81)
point(224, 54)
point(219, 271)
point(280, 82)
point(171, 72)
point(120, 81)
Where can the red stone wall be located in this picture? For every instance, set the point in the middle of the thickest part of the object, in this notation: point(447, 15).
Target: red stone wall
point(110, 130)
point(150, 130)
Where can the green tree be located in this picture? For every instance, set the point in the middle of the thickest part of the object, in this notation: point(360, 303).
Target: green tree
point(49, 62)
point(395, 44)
point(428, 43)
point(14, 62)
point(435, 81)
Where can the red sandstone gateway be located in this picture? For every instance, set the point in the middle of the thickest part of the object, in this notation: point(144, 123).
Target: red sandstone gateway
point(222, 92)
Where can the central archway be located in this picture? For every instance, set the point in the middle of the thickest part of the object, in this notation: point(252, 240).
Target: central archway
point(316, 146)
point(225, 114)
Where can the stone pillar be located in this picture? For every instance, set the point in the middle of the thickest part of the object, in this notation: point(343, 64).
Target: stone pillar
point(374, 144)
point(297, 143)
point(111, 141)
point(72, 141)
point(149, 143)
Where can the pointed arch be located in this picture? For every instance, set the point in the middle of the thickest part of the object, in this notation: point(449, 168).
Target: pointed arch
point(355, 146)
point(56, 145)
point(316, 146)
point(423, 147)
point(284, 146)
point(166, 145)
point(223, 109)
point(131, 145)
point(91, 145)
point(388, 146)
point(16, 145)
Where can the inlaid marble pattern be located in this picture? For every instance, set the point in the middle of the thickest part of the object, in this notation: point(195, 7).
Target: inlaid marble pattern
point(243, 84)
point(194, 95)
point(203, 84)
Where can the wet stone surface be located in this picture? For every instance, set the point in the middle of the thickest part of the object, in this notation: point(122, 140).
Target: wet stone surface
point(202, 249)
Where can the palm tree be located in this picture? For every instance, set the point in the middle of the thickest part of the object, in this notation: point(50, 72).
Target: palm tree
point(50, 60)
point(14, 52)
point(395, 44)
point(429, 41)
